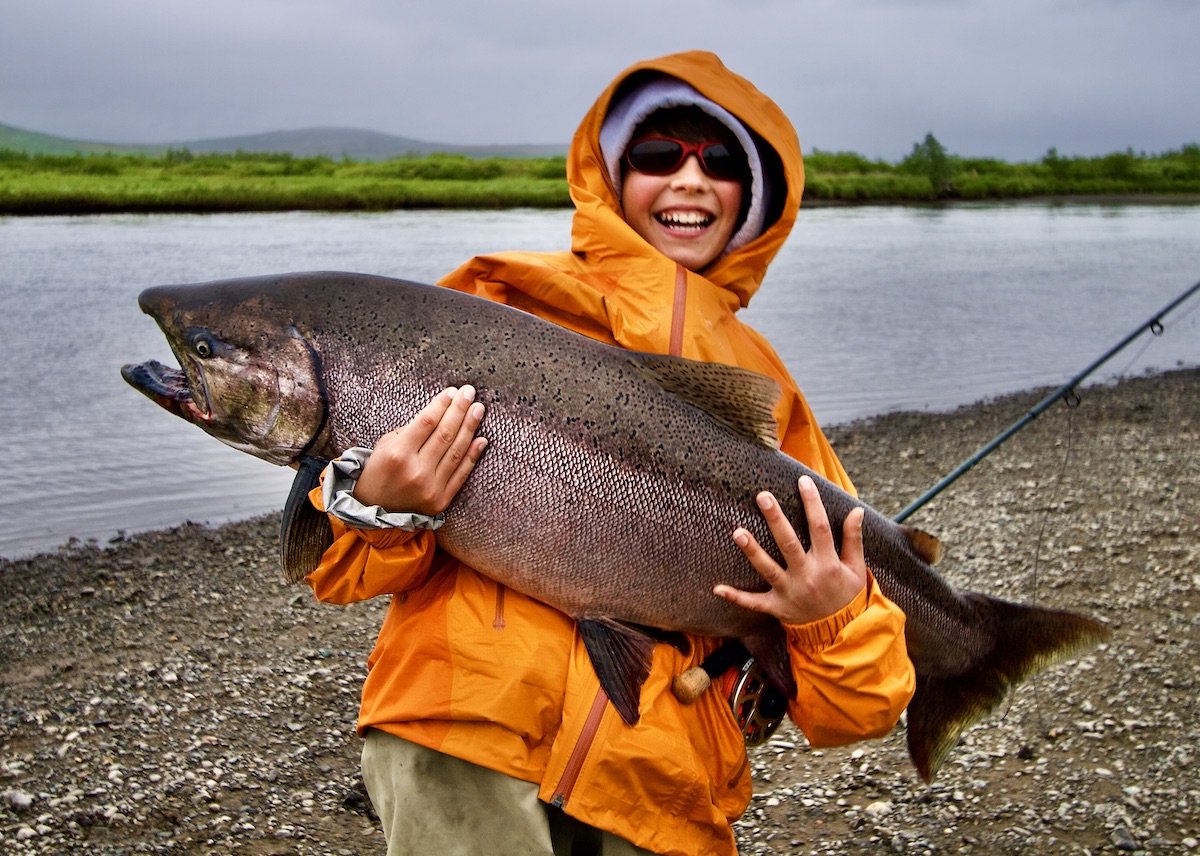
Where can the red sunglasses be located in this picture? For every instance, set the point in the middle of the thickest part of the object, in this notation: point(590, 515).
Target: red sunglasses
point(664, 155)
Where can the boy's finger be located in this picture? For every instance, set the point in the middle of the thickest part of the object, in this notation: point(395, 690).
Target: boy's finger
point(781, 528)
point(457, 454)
point(450, 423)
point(819, 532)
point(428, 418)
point(852, 539)
point(759, 558)
point(459, 477)
point(749, 600)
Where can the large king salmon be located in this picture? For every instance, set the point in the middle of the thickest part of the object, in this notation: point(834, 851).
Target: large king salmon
point(611, 483)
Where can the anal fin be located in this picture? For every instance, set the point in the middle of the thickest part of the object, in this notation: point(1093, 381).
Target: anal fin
point(771, 652)
point(677, 640)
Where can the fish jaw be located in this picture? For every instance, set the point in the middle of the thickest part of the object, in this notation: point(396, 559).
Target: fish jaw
point(166, 387)
point(260, 394)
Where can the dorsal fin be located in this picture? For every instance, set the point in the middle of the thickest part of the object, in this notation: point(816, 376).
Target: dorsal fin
point(927, 546)
point(741, 400)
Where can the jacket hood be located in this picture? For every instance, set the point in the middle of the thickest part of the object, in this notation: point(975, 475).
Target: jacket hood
point(599, 229)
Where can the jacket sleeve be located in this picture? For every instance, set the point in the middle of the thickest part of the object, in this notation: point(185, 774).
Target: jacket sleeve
point(852, 671)
point(361, 563)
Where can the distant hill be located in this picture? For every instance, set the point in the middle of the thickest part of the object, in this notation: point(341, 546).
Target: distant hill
point(356, 144)
point(18, 139)
point(352, 143)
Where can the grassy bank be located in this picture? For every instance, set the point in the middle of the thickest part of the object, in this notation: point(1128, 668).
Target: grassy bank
point(182, 182)
point(930, 173)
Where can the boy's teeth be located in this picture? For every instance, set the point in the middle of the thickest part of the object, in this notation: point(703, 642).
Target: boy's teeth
point(688, 218)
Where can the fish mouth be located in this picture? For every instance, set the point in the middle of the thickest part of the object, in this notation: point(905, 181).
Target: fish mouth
point(168, 387)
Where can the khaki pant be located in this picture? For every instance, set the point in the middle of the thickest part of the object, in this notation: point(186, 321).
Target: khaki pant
point(437, 804)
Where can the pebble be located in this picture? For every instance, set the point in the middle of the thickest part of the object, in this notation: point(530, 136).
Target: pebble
point(879, 809)
point(1122, 840)
point(18, 799)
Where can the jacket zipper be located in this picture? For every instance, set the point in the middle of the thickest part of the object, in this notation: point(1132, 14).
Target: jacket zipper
point(583, 745)
point(678, 311)
point(498, 622)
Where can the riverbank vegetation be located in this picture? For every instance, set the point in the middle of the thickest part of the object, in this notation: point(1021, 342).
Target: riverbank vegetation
point(181, 181)
point(929, 172)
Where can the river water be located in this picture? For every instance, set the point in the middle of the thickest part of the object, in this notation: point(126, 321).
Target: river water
point(874, 309)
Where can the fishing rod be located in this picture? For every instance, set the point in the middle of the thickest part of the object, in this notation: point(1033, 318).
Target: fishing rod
point(1154, 324)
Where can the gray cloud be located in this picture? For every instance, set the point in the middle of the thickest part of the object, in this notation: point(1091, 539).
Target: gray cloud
point(1008, 78)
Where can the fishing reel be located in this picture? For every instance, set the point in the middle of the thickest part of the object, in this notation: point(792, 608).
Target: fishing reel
point(758, 706)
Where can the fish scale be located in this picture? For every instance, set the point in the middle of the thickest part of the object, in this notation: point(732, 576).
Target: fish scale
point(610, 487)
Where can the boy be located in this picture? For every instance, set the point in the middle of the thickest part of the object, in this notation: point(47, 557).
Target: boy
point(486, 729)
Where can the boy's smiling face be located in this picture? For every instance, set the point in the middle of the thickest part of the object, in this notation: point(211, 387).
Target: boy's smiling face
point(687, 215)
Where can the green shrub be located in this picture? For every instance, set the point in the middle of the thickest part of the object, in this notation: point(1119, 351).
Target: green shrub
point(930, 159)
point(1119, 165)
point(550, 168)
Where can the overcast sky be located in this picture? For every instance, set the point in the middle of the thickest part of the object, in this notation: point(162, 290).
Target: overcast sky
point(1001, 78)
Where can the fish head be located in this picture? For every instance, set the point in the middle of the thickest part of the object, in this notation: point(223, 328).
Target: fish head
point(246, 374)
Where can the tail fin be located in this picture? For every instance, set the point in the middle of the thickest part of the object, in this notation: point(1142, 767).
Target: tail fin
point(1028, 640)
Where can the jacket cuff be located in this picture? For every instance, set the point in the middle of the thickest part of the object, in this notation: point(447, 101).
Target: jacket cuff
point(816, 636)
point(378, 538)
point(338, 484)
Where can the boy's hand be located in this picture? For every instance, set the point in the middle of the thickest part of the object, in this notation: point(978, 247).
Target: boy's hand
point(813, 585)
point(422, 465)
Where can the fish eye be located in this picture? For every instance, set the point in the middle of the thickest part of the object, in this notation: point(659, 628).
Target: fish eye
point(203, 346)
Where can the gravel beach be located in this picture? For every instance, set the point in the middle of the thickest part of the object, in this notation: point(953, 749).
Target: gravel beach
point(167, 693)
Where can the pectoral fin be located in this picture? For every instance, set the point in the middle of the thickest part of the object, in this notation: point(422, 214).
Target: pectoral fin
point(304, 533)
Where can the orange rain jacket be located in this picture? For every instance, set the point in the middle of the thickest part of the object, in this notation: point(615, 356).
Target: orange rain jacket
point(466, 667)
